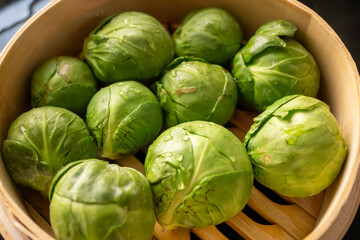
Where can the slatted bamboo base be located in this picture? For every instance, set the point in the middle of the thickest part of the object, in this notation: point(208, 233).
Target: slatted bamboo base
point(293, 220)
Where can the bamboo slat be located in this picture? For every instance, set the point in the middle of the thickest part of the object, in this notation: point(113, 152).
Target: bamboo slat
point(209, 233)
point(291, 218)
point(250, 229)
point(311, 205)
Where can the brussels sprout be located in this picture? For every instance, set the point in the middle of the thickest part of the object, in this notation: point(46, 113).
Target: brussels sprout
point(130, 45)
point(41, 141)
point(123, 117)
point(92, 199)
point(296, 146)
point(200, 175)
point(63, 82)
point(210, 33)
point(272, 65)
point(192, 89)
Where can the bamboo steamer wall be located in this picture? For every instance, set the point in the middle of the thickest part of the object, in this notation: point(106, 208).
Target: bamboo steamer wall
point(59, 29)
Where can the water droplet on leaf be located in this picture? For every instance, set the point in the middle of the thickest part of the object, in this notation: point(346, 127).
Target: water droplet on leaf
point(168, 138)
point(124, 95)
point(179, 157)
point(173, 73)
point(168, 154)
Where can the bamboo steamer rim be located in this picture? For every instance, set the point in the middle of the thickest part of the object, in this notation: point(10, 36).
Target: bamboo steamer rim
point(343, 206)
point(348, 196)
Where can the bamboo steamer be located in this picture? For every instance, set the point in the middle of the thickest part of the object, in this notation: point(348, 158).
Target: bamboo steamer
point(59, 29)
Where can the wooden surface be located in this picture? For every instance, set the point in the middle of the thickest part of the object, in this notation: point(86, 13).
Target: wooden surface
point(325, 216)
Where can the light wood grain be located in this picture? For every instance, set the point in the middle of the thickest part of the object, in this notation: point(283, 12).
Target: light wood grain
point(209, 233)
point(250, 229)
point(291, 218)
point(311, 205)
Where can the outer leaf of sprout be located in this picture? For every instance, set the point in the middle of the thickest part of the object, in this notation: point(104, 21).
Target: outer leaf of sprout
point(43, 140)
point(296, 146)
point(92, 199)
point(210, 33)
point(129, 45)
point(123, 117)
point(200, 175)
point(272, 65)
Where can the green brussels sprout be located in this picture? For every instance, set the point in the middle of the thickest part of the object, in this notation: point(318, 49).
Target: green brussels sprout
point(209, 33)
point(130, 45)
point(43, 140)
point(123, 117)
point(200, 175)
point(272, 65)
point(63, 82)
point(92, 199)
point(192, 89)
point(296, 146)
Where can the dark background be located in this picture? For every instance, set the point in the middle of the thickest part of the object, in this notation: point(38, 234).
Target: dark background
point(342, 15)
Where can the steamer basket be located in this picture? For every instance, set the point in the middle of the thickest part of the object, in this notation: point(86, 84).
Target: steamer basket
point(59, 29)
